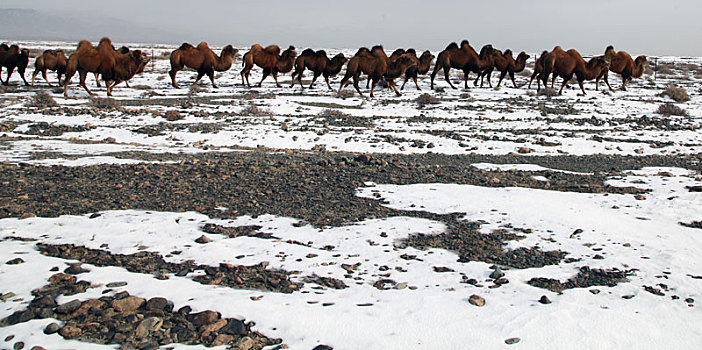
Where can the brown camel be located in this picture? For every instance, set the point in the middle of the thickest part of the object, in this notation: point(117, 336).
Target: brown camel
point(538, 68)
point(484, 61)
point(621, 63)
point(421, 66)
point(505, 63)
point(12, 57)
point(54, 60)
point(90, 59)
point(319, 64)
point(571, 63)
point(202, 59)
point(270, 59)
point(126, 66)
point(464, 58)
point(374, 63)
point(548, 66)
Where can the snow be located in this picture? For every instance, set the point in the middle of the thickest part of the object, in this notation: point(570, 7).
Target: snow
point(436, 314)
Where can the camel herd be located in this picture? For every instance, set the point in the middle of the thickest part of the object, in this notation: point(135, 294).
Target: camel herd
point(114, 66)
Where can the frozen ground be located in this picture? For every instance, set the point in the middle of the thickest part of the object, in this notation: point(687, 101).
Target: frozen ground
point(417, 305)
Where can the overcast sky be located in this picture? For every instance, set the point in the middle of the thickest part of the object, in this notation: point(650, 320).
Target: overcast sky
point(640, 27)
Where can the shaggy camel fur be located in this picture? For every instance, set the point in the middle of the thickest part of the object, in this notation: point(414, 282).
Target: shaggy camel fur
point(464, 58)
point(571, 63)
point(202, 59)
point(54, 60)
point(374, 63)
point(12, 57)
point(505, 63)
point(270, 59)
point(319, 64)
point(126, 66)
point(548, 66)
point(622, 64)
point(421, 66)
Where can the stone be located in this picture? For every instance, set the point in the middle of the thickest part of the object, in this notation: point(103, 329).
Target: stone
point(525, 150)
point(212, 327)
point(203, 240)
point(15, 261)
point(494, 181)
point(158, 304)
point(544, 300)
point(497, 273)
point(476, 300)
point(130, 303)
point(18, 345)
point(44, 301)
point(234, 327)
point(147, 326)
point(70, 332)
point(323, 347)
point(222, 339)
point(37, 347)
point(52, 328)
point(116, 284)
point(205, 317)
point(75, 269)
point(20, 316)
point(245, 343)
point(68, 307)
point(510, 341)
point(27, 216)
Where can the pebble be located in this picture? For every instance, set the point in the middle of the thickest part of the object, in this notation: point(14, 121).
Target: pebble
point(27, 216)
point(70, 332)
point(544, 300)
point(68, 307)
point(510, 341)
point(497, 273)
point(52, 328)
point(128, 304)
point(203, 240)
point(476, 300)
point(15, 261)
point(18, 345)
point(205, 317)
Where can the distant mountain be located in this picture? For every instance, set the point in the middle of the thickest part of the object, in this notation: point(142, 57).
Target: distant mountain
point(28, 24)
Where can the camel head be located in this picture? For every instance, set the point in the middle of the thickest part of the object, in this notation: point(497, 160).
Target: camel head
point(487, 50)
point(229, 50)
point(289, 53)
point(641, 59)
point(523, 55)
point(24, 52)
point(426, 54)
point(140, 57)
point(339, 59)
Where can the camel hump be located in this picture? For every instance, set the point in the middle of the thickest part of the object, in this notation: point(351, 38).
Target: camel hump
point(272, 50)
point(203, 45)
point(452, 46)
point(185, 46)
point(307, 52)
point(105, 41)
point(362, 50)
point(377, 47)
point(610, 47)
point(507, 52)
point(411, 51)
point(84, 44)
point(4, 47)
point(123, 49)
point(321, 53)
point(291, 48)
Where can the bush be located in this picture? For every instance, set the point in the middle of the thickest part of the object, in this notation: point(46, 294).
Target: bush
point(173, 115)
point(426, 99)
point(253, 110)
point(678, 94)
point(548, 92)
point(42, 99)
point(332, 113)
point(668, 109)
point(346, 93)
point(104, 103)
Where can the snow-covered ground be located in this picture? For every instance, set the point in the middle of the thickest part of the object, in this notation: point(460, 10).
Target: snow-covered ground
point(423, 309)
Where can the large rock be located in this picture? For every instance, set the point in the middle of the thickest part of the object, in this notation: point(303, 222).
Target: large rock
point(212, 327)
point(148, 326)
point(222, 339)
point(128, 304)
point(70, 332)
point(205, 317)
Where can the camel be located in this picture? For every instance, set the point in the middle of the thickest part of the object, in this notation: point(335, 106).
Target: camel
point(505, 63)
point(485, 61)
point(319, 64)
point(270, 59)
point(421, 66)
point(571, 63)
point(374, 63)
point(88, 58)
point(621, 63)
point(202, 59)
point(538, 68)
point(464, 58)
point(54, 60)
point(12, 57)
point(126, 66)
point(548, 66)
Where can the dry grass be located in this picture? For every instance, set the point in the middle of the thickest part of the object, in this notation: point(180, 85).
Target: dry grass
point(346, 93)
point(668, 109)
point(678, 94)
point(332, 113)
point(548, 92)
point(104, 103)
point(42, 99)
point(172, 115)
point(426, 99)
point(255, 111)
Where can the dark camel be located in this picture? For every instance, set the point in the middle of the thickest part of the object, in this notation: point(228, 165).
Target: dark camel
point(375, 64)
point(548, 67)
point(12, 57)
point(571, 63)
point(622, 64)
point(126, 66)
point(270, 59)
point(421, 66)
point(538, 68)
point(319, 64)
point(54, 60)
point(505, 63)
point(464, 58)
point(202, 59)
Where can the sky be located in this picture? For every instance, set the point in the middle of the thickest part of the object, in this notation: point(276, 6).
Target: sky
point(639, 27)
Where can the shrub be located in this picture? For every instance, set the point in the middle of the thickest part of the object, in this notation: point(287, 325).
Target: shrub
point(173, 115)
point(668, 109)
point(332, 113)
point(42, 99)
point(253, 110)
point(548, 92)
point(426, 99)
point(678, 94)
point(346, 93)
point(103, 102)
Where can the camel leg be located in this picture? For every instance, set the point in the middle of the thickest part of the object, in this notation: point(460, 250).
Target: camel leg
point(173, 73)
point(606, 79)
point(97, 79)
point(265, 75)
point(479, 77)
point(580, 82)
point(316, 75)
point(83, 75)
point(344, 80)
point(553, 80)
point(356, 78)
point(275, 77)
point(623, 84)
point(326, 79)
point(210, 74)
point(502, 76)
point(394, 87)
point(34, 75)
point(21, 73)
point(59, 78)
point(532, 78)
point(565, 82)
point(9, 73)
point(511, 76)
point(43, 74)
point(403, 83)
point(414, 78)
point(375, 82)
point(368, 82)
point(126, 83)
point(433, 74)
point(199, 76)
